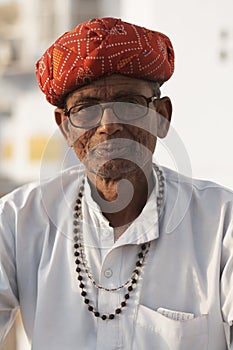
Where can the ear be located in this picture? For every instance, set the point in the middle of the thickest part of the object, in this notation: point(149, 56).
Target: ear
point(63, 123)
point(163, 107)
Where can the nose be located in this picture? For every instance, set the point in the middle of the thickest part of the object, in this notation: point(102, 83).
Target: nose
point(109, 122)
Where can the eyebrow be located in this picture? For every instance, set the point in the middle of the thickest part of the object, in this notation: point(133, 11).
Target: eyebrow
point(83, 98)
point(86, 99)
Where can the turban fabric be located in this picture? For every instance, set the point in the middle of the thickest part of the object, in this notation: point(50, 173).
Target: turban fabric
point(102, 47)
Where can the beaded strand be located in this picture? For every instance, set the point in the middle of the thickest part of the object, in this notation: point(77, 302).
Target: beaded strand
point(82, 265)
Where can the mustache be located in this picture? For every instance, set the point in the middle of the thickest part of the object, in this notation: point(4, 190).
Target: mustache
point(111, 144)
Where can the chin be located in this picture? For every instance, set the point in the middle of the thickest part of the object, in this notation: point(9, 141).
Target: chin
point(114, 169)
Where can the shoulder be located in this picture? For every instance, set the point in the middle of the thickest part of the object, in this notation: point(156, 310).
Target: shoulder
point(195, 203)
point(36, 194)
point(197, 186)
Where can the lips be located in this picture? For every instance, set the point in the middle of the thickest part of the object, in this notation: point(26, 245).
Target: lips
point(115, 148)
point(112, 153)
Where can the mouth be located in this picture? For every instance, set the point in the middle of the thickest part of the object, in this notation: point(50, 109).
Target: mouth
point(114, 158)
point(113, 149)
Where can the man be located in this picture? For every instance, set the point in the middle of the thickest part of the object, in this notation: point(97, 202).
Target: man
point(87, 256)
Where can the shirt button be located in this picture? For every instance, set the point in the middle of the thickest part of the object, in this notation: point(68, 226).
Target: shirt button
point(108, 273)
point(106, 233)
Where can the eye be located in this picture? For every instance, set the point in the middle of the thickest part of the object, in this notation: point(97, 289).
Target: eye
point(129, 99)
point(134, 99)
point(82, 108)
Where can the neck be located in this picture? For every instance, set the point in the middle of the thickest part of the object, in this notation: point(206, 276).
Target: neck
point(122, 200)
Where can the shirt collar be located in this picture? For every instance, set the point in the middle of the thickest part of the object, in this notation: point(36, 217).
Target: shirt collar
point(144, 228)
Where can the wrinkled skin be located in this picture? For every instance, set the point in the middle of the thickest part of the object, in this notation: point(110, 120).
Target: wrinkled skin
point(115, 150)
point(85, 142)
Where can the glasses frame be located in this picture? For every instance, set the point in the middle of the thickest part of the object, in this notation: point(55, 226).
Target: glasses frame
point(109, 104)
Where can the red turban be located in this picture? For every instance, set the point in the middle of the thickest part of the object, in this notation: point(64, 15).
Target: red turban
point(102, 47)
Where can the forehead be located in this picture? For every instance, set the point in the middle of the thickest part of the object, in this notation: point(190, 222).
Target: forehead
point(111, 86)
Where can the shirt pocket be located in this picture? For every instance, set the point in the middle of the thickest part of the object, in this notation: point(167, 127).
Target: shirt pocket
point(155, 331)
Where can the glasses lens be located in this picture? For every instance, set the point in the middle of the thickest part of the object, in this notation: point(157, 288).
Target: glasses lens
point(127, 108)
point(132, 107)
point(84, 116)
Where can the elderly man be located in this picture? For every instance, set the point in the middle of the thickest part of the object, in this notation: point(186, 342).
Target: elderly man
point(88, 256)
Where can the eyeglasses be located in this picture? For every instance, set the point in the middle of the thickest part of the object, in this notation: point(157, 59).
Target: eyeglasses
point(126, 108)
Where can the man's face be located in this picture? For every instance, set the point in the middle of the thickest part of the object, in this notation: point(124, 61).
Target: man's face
point(113, 148)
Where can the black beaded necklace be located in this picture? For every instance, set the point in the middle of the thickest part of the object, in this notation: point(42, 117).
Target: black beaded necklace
point(81, 261)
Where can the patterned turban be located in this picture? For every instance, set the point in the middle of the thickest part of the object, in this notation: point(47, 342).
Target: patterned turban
point(102, 47)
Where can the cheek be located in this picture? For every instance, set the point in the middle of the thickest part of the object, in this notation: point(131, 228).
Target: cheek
point(143, 137)
point(79, 149)
point(81, 144)
point(151, 142)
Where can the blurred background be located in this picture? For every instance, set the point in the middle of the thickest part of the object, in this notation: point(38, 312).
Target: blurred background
point(201, 88)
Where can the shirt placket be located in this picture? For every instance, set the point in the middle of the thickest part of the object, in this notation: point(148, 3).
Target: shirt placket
point(109, 334)
point(115, 271)
point(105, 264)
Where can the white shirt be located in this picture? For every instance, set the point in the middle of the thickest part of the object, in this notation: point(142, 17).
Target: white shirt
point(187, 270)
